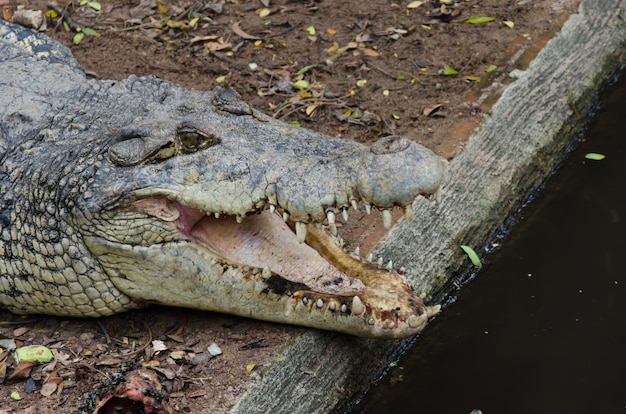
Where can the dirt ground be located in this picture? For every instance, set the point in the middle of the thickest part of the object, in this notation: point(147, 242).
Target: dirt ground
point(359, 69)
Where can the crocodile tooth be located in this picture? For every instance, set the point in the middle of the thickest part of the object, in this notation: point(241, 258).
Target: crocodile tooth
point(368, 208)
point(216, 215)
point(355, 204)
point(330, 215)
point(389, 325)
point(436, 195)
point(305, 300)
point(371, 321)
point(357, 306)
point(266, 273)
point(402, 269)
point(370, 257)
point(344, 213)
point(408, 213)
point(387, 218)
point(390, 265)
point(333, 229)
point(357, 251)
point(300, 231)
point(285, 216)
point(256, 270)
point(332, 305)
point(272, 208)
point(319, 303)
point(431, 310)
point(342, 242)
point(380, 261)
point(344, 308)
point(417, 322)
point(239, 218)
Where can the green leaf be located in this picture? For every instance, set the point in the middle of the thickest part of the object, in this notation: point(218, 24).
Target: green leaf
point(450, 71)
point(90, 32)
point(83, 2)
point(301, 84)
point(94, 5)
point(479, 20)
point(32, 353)
point(491, 68)
point(472, 255)
point(595, 156)
point(78, 37)
point(305, 70)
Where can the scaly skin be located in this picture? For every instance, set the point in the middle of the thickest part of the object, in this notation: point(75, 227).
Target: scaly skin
point(119, 194)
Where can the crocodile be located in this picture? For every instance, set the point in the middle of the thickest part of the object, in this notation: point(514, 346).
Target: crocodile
point(119, 194)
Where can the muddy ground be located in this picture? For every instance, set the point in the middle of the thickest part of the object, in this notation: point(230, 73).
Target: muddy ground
point(371, 68)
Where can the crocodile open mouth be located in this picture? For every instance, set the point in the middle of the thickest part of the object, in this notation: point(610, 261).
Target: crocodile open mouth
point(266, 241)
point(308, 269)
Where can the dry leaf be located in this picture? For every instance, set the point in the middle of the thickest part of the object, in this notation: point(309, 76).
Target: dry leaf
point(204, 38)
point(20, 331)
point(48, 389)
point(166, 372)
point(219, 45)
point(370, 52)
point(109, 362)
point(239, 32)
point(22, 370)
point(197, 393)
point(311, 108)
point(177, 354)
point(430, 111)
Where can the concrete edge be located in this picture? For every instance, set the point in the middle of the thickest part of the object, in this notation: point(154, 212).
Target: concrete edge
point(521, 142)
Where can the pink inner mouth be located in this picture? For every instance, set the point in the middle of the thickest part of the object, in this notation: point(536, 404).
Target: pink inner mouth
point(261, 240)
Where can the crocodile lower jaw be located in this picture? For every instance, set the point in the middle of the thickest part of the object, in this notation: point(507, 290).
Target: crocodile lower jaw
point(316, 274)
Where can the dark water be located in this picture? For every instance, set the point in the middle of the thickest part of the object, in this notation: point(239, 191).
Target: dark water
point(542, 329)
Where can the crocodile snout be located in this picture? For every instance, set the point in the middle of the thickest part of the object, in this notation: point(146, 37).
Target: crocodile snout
point(390, 145)
point(395, 171)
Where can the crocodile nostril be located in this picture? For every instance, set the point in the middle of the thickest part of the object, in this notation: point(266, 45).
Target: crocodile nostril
point(390, 144)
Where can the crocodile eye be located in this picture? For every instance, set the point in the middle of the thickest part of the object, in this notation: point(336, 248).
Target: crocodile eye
point(191, 140)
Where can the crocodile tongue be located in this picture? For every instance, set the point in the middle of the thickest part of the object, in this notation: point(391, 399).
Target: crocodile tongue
point(265, 240)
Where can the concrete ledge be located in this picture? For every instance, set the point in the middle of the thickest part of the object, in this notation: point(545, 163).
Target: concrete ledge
point(520, 143)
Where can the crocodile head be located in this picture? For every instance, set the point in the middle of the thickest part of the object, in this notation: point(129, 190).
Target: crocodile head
point(231, 211)
point(119, 194)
